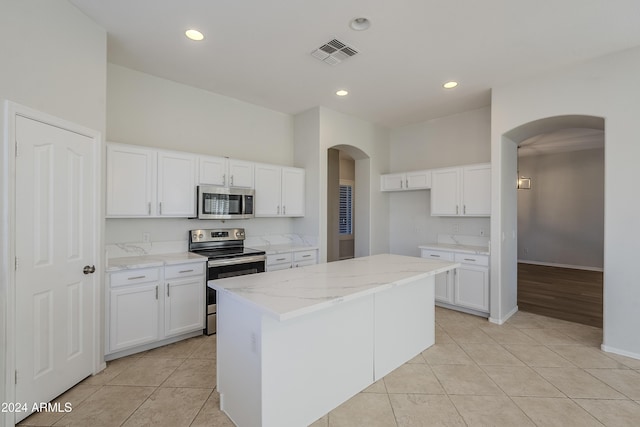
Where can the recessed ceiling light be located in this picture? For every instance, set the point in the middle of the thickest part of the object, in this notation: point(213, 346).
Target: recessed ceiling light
point(360, 24)
point(194, 35)
point(450, 85)
point(342, 92)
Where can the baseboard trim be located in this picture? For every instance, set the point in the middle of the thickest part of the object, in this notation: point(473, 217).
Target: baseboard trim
point(553, 264)
point(620, 352)
point(505, 318)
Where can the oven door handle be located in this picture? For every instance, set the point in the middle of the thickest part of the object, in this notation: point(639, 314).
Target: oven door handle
point(234, 261)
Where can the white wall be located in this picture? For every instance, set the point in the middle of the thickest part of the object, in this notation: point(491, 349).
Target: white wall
point(316, 131)
point(448, 141)
point(607, 87)
point(561, 218)
point(146, 110)
point(53, 60)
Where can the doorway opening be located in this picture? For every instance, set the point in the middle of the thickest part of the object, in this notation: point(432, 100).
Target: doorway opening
point(560, 218)
point(346, 203)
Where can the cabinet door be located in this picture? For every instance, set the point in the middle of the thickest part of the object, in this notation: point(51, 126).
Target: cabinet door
point(472, 287)
point(476, 190)
point(133, 316)
point(240, 173)
point(419, 180)
point(292, 192)
point(268, 190)
point(184, 305)
point(176, 184)
point(445, 192)
point(444, 287)
point(392, 182)
point(212, 170)
point(130, 181)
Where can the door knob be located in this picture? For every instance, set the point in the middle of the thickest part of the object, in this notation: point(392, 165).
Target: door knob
point(89, 269)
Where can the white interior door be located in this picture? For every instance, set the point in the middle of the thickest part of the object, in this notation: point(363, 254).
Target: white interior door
point(55, 239)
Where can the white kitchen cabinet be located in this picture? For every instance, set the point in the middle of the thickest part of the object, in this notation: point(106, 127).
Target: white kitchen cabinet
point(416, 180)
point(466, 287)
point(279, 191)
point(131, 174)
point(134, 308)
point(144, 182)
point(293, 259)
point(149, 307)
point(184, 299)
point(176, 184)
point(225, 172)
point(461, 191)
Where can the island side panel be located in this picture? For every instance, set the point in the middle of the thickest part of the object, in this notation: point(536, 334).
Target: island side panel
point(313, 363)
point(404, 324)
point(238, 360)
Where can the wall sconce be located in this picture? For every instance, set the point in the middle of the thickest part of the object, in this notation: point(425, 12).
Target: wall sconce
point(524, 183)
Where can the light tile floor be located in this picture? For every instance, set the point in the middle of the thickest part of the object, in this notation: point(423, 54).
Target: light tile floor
point(533, 370)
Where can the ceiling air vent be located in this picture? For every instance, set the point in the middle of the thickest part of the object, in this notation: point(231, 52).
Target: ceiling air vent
point(334, 52)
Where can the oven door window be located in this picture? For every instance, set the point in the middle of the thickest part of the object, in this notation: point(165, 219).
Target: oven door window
point(221, 272)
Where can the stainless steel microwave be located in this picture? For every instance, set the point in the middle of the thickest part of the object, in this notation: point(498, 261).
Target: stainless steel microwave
point(224, 202)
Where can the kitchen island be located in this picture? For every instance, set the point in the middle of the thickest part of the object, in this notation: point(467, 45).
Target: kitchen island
point(294, 344)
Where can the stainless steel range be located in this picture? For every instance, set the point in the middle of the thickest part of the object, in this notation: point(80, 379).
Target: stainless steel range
point(227, 258)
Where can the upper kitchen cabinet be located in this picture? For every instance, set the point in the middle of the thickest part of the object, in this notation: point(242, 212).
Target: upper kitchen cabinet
point(143, 182)
point(279, 191)
point(461, 191)
point(225, 172)
point(417, 180)
point(131, 173)
point(176, 184)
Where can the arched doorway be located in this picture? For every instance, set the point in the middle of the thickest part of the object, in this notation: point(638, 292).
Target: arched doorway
point(347, 202)
point(505, 290)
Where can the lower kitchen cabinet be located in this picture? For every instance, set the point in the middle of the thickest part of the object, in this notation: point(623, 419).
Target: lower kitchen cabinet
point(466, 287)
point(147, 307)
point(293, 259)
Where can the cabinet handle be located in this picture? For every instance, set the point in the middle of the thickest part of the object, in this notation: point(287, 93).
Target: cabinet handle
point(149, 208)
point(160, 210)
point(284, 210)
point(136, 277)
point(401, 183)
point(185, 271)
point(435, 256)
point(470, 259)
point(278, 209)
point(407, 182)
point(156, 291)
point(280, 259)
point(456, 209)
point(464, 209)
point(168, 286)
point(231, 183)
point(306, 256)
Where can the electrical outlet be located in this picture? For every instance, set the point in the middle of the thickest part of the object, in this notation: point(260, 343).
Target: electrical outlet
point(146, 237)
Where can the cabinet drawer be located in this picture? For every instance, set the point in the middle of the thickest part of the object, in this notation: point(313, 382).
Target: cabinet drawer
point(472, 259)
point(440, 255)
point(305, 256)
point(279, 259)
point(184, 270)
point(132, 277)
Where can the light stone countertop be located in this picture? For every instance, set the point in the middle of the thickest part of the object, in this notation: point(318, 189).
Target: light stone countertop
point(468, 249)
point(157, 260)
point(286, 294)
point(283, 248)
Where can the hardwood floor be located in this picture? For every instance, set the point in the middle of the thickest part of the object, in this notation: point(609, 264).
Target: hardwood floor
point(562, 293)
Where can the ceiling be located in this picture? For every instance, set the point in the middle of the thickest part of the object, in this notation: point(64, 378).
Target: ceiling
point(260, 51)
